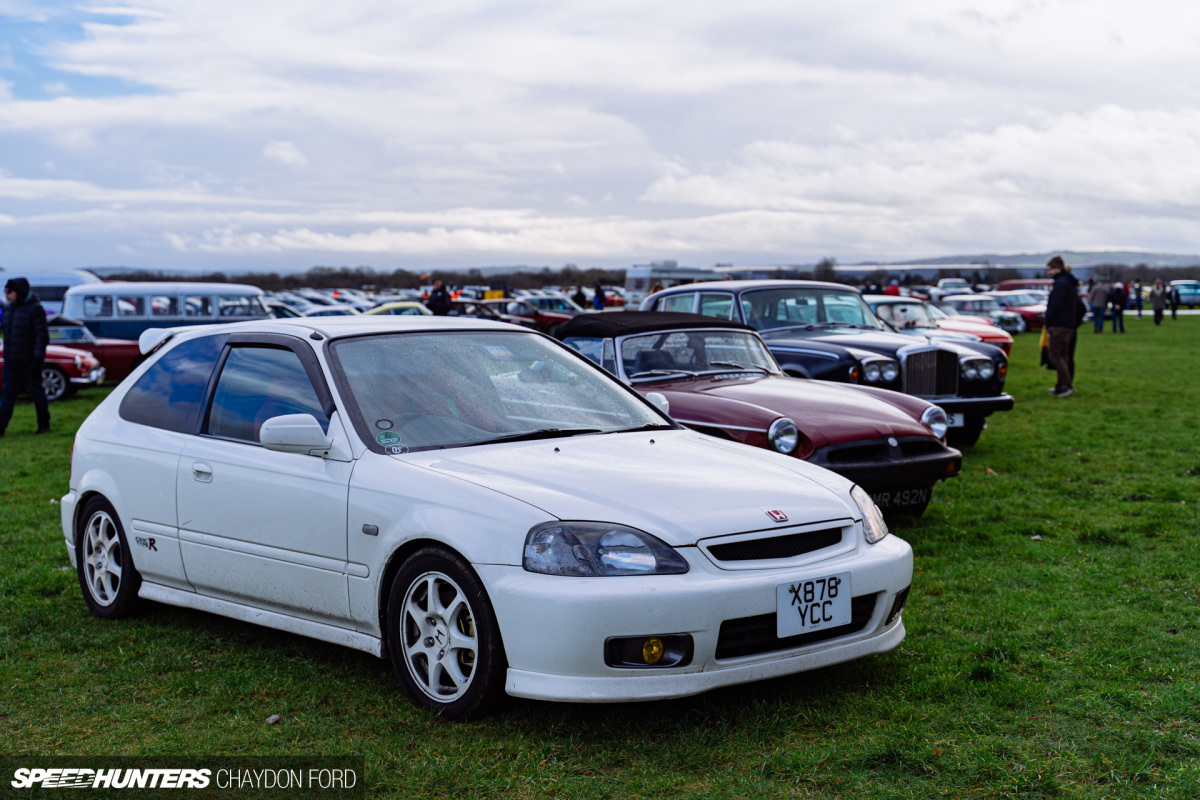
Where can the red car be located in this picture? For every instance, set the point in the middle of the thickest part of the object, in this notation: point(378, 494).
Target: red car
point(523, 312)
point(718, 377)
point(908, 315)
point(1031, 307)
point(119, 356)
point(65, 370)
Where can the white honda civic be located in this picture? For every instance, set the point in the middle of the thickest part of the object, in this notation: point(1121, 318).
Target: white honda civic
point(475, 502)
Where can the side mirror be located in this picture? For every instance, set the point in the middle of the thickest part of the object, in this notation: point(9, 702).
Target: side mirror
point(295, 433)
point(659, 401)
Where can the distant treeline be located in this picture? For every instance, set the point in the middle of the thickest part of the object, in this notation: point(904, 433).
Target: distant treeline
point(371, 279)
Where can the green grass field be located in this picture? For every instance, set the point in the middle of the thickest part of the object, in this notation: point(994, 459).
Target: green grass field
point(1053, 639)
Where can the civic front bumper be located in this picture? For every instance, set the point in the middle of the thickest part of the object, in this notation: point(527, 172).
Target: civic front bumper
point(554, 628)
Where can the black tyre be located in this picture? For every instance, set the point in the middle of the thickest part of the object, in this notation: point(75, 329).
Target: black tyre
point(107, 576)
point(55, 383)
point(968, 434)
point(442, 636)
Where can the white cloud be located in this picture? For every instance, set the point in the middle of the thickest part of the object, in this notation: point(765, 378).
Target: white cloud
point(478, 128)
point(285, 153)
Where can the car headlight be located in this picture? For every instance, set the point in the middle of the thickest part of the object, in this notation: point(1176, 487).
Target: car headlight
point(871, 372)
point(936, 420)
point(873, 525)
point(78, 362)
point(889, 371)
point(594, 549)
point(978, 369)
point(783, 435)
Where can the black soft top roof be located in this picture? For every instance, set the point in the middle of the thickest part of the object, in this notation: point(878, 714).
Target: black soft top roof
point(624, 323)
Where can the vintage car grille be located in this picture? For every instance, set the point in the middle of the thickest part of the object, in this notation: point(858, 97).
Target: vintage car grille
point(751, 635)
point(931, 373)
point(777, 546)
point(878, 450)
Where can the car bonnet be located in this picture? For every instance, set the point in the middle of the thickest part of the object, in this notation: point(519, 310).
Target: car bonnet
point(678, 485)
point(826, 412)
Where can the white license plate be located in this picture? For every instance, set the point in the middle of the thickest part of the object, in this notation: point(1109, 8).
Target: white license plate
point(812, 605)
point(956, 420)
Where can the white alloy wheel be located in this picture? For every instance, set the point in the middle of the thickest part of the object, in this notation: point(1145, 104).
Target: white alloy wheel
point(442, 636)
point(103, 558)
point(106, 573)
point(440, 645)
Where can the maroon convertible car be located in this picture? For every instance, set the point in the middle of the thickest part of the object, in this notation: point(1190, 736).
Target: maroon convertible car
point(718, 377)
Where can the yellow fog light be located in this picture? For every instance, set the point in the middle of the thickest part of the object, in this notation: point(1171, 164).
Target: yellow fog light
point(652, 650)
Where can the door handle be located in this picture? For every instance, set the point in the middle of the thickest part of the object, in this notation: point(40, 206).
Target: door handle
point(202, 472)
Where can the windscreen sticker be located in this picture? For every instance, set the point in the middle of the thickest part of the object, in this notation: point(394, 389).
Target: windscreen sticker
point(388, 438)
point(396, 449)
point(383, 424)
point(499, 351)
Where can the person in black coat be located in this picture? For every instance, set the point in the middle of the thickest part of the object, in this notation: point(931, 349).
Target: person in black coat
point(1062, 317)
point(25, 340)
point(439, 300)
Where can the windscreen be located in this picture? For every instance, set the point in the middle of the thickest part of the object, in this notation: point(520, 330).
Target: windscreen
point(800, 306)
point(428, 390)
point(658, 354)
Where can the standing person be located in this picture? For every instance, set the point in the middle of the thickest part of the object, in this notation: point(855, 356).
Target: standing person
point(1137, 296)
point(1173, 298)
point(439, 300)
point(25, 340)
point(1061, 320)
point(1158, 301)
point(579, 298)
point(598, 298)
point(1099, 298)
point(893, 289)
point(1116, 299)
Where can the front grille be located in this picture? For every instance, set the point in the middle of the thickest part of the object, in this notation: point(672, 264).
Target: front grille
point(856, 453)
point(920, 447)
point(777, 546)
point(931, 373)
point(751, 635)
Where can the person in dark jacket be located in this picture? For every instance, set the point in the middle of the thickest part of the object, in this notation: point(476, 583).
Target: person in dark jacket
point(439, 300)
point(598, 298)
point(1116, 299)
point(25, 340)
point(1062, 318)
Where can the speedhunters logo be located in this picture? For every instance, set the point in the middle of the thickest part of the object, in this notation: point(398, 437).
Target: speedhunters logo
point(208, 777)
point(81, 778)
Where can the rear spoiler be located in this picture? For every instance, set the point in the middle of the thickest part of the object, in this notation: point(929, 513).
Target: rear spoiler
point(154, 338)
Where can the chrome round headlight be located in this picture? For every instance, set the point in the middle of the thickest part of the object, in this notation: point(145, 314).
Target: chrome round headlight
point(970, 370)
point(936, 420)
point(889, 371)
point(783, 435)
point(986, 370)
point(871, 372)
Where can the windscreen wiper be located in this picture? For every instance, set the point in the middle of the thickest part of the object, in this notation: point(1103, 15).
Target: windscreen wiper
point(650, 426)
point(650, 373)
point(736, 365)
point(541, 433)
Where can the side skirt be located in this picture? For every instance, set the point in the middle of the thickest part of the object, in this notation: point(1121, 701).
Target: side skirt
point(257, 616)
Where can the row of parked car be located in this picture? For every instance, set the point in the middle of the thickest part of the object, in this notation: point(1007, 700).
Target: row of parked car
point(652, 507)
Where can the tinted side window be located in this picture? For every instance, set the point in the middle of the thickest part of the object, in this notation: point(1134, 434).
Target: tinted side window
point(258, 383)
point(169, 394)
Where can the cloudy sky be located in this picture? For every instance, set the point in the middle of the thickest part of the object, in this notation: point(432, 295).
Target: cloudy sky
point(280, 134)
